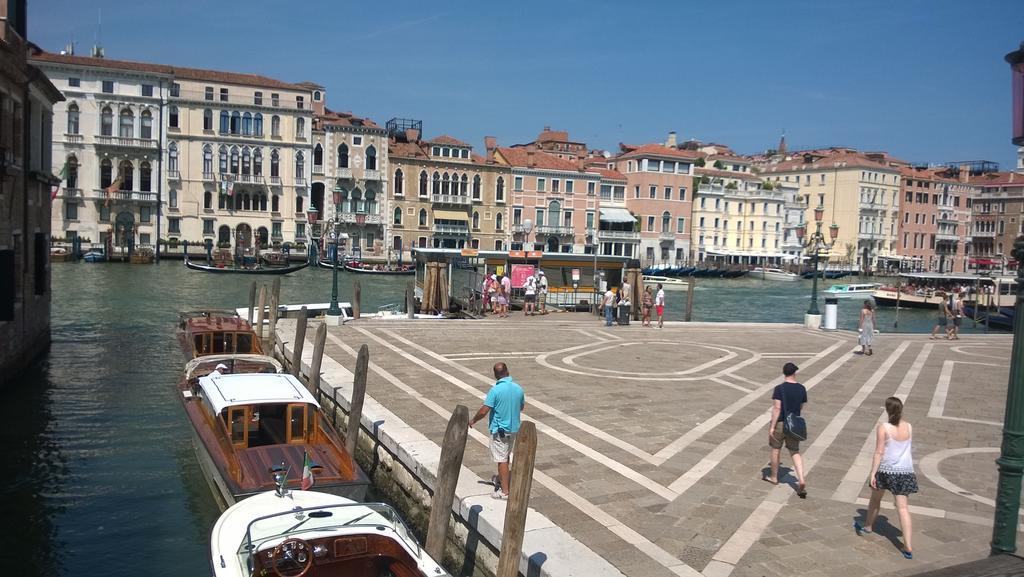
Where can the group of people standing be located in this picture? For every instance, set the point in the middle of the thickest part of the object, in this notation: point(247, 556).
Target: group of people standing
point(497, 294)
point(951, 314)
point(651, 301)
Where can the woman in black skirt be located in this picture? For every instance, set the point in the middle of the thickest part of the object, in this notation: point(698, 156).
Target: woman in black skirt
point(892, 469)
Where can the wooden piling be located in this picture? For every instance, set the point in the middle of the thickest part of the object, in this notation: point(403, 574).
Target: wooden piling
point(452, 450)
point(272, 337)
point(690, 286)
point(260, 303)
point(300, 341)
point(356, 298)
point(523, 456)
point(277, 289)
point(355, 412)
point(252, 301)
point(410, 302)
point(318, 357)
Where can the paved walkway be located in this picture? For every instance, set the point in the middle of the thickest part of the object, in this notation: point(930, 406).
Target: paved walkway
point(652, 442)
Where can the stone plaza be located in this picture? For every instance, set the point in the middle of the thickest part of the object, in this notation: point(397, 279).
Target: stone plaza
point(652, 442)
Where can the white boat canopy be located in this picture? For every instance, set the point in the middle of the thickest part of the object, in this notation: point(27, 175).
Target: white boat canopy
point(214, 360)
point(616, 215)
point(223, 391)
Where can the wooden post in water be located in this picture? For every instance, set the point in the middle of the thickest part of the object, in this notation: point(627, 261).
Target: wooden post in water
point(261, 302)
point(356, 298)
point(690, 286)
point(452, 450)
point(355, 411)
point(272, 337)
point(300, 342)
point(318, 357)
point(252, 301)
point(523, 456)
point(410, 303)
point(277, 289)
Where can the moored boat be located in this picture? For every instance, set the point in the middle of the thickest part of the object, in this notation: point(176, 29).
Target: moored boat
point(852, 290)
point(380, 269)
point(95, 255)
point(213, 332)
point(255, 268)
point(667, 283)
point(776, 274)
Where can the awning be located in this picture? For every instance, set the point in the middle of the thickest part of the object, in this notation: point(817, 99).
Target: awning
point(616, 215)
point(450, 215)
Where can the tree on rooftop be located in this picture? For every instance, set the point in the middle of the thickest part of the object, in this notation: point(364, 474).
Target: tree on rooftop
point(718, 164)
point(731, 185)
point(700, 161)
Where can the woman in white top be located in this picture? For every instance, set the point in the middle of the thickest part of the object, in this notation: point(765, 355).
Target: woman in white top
point(892, 468)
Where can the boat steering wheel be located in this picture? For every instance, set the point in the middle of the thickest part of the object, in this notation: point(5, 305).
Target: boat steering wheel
point(295, 551)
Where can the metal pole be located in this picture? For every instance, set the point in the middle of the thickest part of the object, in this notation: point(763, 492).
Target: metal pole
point(1011, 455)
point(813, 310)
point(334, 310)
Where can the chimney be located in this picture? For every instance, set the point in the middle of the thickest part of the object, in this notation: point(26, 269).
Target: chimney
point(671, 142)
point(581, 164)
point(412, 135)
point(531, 153)
point(965, 173)
point(490, 144)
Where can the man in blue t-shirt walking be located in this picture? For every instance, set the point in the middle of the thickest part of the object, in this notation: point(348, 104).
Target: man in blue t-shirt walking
point(787, 398)
point(502, 406)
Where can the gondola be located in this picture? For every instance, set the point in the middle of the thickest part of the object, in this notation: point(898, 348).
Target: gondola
point(407, 270)
point(257, 270)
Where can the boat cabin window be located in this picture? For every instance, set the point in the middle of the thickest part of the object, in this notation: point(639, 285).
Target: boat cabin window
point(243, 343)
point(224, 343)
point(268, 424)
point(236, 425)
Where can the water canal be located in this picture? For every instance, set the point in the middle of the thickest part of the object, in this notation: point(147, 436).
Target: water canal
point(101, 478)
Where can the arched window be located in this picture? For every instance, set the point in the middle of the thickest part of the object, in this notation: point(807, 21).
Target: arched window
point(257, 124)
point(357, 201)
point(476, 187)
point(499, 219)
point(318, 155)
point(246, 201)
point(126, 174)
point(207, 159)
point(106, 173)
point(236, 122)
point(499, 190)
point(446, 186)
point(225, 122)
point(275, 125)
point(476, 219)
point(397, 219)
point(207, 119)
point(343, 202)
point(554, 207)
point(145, 177)
point(106, 122)
point(146, 125)
point(423, 217)
point(246, 161)
point(423, 183)
point(666, 222)
point(436, 188)
point(257, 164)
point(300, 128)
point(234, 160)
point(73, 118)
point(247, 124)
point(399, 183)
point(172, 116)
point(172, 157)
point(223, 164)
point(371, 202)
point(263, 202)
point(464, 186)
point(343, 156)
point(298, 204)
point(72, 174)
point(300, 164)
point(275, 203)
point(238, 201)
point(371, 158)
point(275, 163)
point(207, 200)
point(224, 234)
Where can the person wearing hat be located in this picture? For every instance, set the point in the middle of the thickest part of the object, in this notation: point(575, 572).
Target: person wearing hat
point(492, 290)
point(220, 369)
point(542, 292)
point(789, 397)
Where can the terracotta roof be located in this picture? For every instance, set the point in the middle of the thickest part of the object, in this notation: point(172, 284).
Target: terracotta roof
point(176, 71)
point(448, 140)
point(332, 118)
point(717, 173)
point(723, 156)
point(607, 173)
point(998, 179)
point(548, 135)
point(519, 157)
point(826, 159)
point(418, 151)
point(632, 151)
point(940, 174)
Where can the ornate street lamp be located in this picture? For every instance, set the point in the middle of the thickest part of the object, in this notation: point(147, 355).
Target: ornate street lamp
point(1011, 455)
point(334, 310)
point(816, 243)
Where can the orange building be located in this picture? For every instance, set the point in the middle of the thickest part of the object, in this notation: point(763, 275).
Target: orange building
point(934, 232)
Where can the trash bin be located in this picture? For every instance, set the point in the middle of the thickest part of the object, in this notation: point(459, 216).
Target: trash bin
point(830, 319)
point(623, 314)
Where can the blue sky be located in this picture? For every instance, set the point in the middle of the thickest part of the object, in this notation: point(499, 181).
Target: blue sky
point(924, 80)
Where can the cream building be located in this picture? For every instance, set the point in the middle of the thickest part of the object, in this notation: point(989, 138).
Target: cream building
point(738, 224)
point(860, 194)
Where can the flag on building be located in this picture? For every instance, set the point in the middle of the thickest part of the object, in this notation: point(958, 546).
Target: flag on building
point(114, 187)
point(62, 176)
point(231, 188)
point(307, 472)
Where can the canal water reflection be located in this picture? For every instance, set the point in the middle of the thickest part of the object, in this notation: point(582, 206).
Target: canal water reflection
point(101, 475)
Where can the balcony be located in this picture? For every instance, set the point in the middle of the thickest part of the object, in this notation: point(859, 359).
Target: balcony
point(667, 235)
point(125, 195)
point(299, 181)
point(249, 178)
point(518, 229)
point(871, 236)
point(984, 234)
point(555, 229)
point(173, 175)
point(451, 229)
point(73, 139)
point(72, 193)
point(318, 169)
point(275, 181)
point(946, 237)
point(876, 206)
point(343, 172)
point(125, 142)
point(356, 217)
point(618, 235)
point(371, 175)
point(208, 177)
point(450, 199)
point(948, 220)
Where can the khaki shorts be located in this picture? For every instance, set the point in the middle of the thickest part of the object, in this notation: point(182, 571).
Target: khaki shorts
point(502, 448)
point(776, 440)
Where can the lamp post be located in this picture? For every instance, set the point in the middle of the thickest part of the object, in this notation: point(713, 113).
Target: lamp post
point(815, 244)
point(334, 310)
point(1011, 454)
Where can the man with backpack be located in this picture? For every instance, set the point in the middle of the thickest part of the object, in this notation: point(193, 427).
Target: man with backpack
point(787, 426)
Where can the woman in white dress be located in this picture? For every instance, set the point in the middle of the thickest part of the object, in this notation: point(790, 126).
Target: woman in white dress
point(867, 327)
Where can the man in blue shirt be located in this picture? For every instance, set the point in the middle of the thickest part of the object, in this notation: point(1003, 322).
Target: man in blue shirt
point(502, 406)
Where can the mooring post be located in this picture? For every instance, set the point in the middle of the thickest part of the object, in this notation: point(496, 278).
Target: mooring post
point(410, 304)
point(523, 456)
point(252, 301)
point(452, 450)
point(272, 337)
point(356, 298)
point(690, 286)
point(355, 411)
point(277, 289)
point(300, 342)
point(318, 357)
point(261, 302)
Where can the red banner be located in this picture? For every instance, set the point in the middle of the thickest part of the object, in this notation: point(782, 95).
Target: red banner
point(520, 272)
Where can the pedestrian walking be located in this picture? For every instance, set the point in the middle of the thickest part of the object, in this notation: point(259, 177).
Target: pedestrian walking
point(867, 327)
point(502, 407)
point(956, 313)
point(659, 305)
point(788, 400)
point(492, 290)
point(942, 322)
point(542, 292)
point(647, 303)
point(608, 306)
point(892, 469)
point(506, 289)
point(530, 296)
point(500, 301)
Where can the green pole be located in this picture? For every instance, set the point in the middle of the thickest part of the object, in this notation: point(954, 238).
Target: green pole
point(813, 310)
point(334, 310)
point(1011, 454)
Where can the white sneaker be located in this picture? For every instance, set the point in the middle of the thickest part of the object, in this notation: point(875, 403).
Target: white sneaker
point(499, 496)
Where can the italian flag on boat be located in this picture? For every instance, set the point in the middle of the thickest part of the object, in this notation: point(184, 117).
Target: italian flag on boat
point(307, 472)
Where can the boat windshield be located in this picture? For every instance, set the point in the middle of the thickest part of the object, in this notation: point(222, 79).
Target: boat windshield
point(327, 518)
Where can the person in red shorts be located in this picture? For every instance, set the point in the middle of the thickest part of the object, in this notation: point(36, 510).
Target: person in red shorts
point(659, 305)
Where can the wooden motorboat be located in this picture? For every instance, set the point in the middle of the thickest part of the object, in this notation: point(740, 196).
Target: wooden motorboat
point(59, 254)
point(246, 423)
point(365, 268)
point(216, 332)
point(776, 274)
point(851, 290)
point(312, 534)
point(256, 268)
point(667, 283)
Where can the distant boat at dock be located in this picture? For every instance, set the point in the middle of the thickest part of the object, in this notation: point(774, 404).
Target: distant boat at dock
point(776, 274)
point(256, 268)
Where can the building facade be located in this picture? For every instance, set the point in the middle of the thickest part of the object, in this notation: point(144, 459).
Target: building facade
point(998, 214)
point(26, 181)
point(739, 224)
point(935, 221)
point(617, 229)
